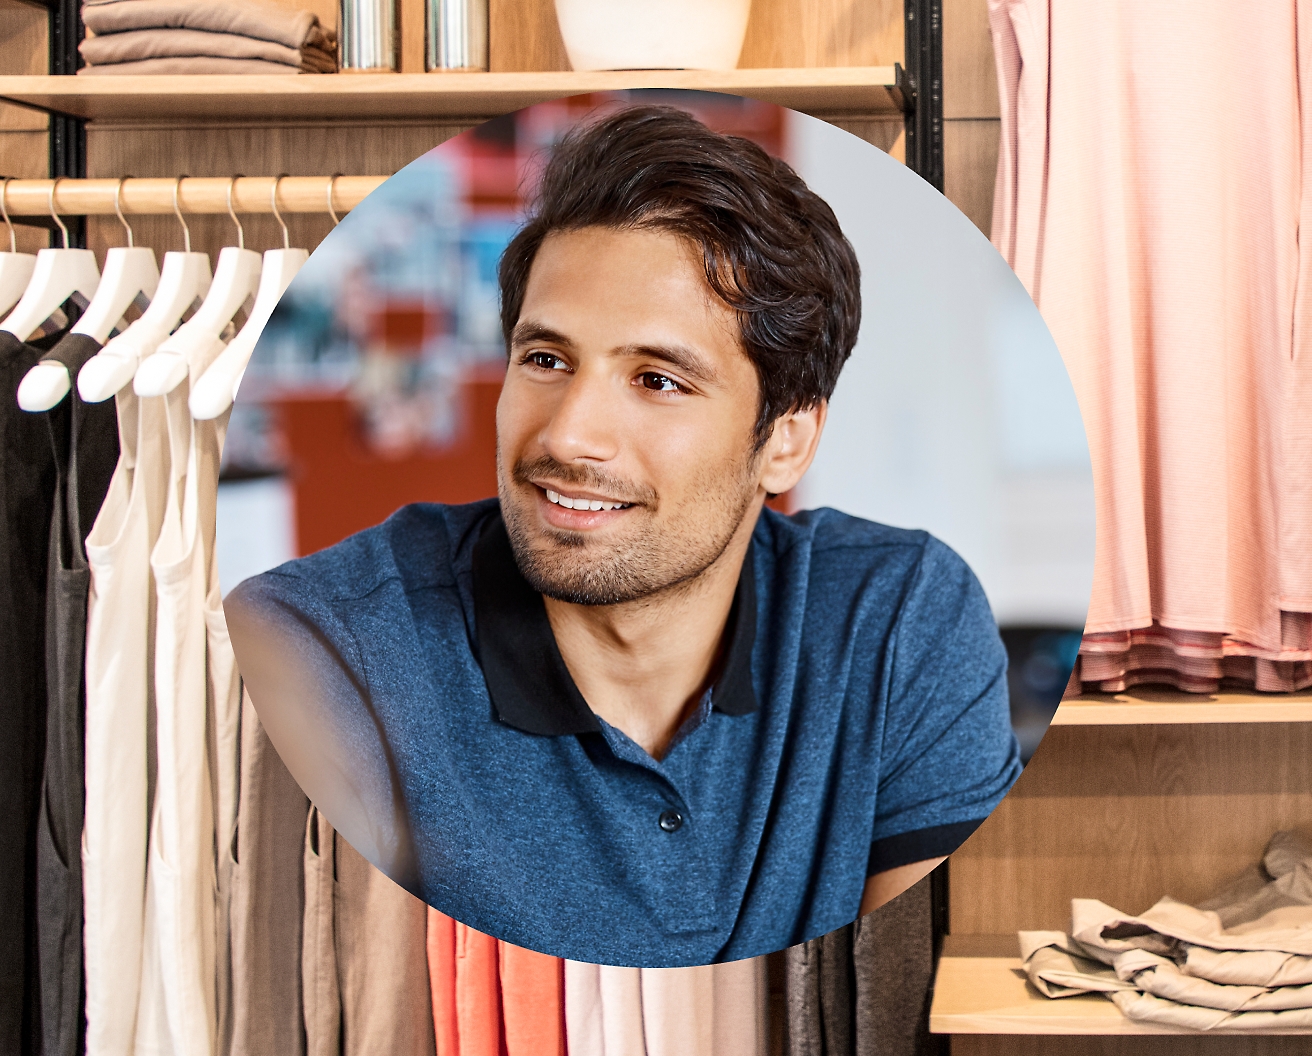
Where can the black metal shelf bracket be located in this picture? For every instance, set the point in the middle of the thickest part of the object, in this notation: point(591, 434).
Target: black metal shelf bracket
point(67, 135)
point(923, 76)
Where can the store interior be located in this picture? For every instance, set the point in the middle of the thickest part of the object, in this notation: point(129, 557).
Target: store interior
point(1133, 794)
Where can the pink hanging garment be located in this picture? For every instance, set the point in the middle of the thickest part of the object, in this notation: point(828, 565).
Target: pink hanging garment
point(1150, 192)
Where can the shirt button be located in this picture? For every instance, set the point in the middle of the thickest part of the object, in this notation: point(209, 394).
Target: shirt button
point(671, 820)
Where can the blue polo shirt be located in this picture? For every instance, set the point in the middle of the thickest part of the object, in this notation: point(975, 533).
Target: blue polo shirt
point(859, 721)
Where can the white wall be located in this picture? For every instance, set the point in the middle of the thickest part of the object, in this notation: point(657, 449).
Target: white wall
point(955, 413)
point(256, 528)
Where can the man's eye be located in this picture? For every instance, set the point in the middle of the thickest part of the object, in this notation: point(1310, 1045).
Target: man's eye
point(659, 383)
point(546, 361)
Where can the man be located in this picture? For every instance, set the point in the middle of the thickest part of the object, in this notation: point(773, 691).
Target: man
point(624, 713)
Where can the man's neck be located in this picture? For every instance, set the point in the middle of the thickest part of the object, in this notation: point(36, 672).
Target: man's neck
point(642, 666)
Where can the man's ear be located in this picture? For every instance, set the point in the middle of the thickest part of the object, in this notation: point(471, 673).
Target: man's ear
point(791, 447)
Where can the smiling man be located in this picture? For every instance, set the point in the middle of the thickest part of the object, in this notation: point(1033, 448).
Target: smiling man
point(625, 713)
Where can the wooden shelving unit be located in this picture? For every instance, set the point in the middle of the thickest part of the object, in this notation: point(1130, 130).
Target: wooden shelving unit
point(1129, 797)
point(830, 58)
point(1150, 707)
point(981, 989)
point(840, 91)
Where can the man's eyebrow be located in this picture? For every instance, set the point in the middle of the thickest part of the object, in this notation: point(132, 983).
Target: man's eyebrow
point(685, 360)
point(528, 332)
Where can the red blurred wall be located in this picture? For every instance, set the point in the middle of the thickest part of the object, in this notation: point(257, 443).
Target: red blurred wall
point(340, 486)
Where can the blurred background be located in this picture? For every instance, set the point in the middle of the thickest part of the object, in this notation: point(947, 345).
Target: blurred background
point(375, 383)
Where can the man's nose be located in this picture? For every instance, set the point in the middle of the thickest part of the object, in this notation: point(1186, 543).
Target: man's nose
point(587, 421)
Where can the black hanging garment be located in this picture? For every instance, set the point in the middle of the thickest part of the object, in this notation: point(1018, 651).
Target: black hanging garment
point(819, 1012)
point(864, 990)
point(83, 439)
point(27, 489)
point(893, 970)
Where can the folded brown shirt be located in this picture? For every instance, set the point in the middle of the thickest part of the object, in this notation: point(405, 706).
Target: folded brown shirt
point(190, 64)
point(243, 18)
point(138, 44)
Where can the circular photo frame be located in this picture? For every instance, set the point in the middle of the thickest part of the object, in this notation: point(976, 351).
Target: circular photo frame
point(656, 528)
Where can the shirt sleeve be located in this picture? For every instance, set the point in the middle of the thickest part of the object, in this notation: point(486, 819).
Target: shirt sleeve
point(949, 754)
point(303, 669)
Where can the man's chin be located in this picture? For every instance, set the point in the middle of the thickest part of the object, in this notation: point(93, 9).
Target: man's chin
point(581, 590)
point(571, 567)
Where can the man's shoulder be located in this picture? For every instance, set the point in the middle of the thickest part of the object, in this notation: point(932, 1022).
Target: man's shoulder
point(869, 556)
point(420, 545)
point(826, 531)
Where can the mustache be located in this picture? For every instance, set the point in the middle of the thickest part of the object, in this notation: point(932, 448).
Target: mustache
point(584, 476)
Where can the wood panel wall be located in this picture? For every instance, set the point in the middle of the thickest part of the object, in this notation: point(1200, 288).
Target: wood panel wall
point(23, 50)
point(1127, 814)
point(780, 33)
point(367, 149)
point(970, 109)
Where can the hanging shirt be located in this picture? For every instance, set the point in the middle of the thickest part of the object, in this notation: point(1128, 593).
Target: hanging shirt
point(177, 1006)
point(27, 490)
point(85, 447)
point(860, 723)
point(864, 990)
point(1165, 244)
point(364, 956)
point(268, 900)
point(491, 998)
point(703, 1010)
point(120, 694)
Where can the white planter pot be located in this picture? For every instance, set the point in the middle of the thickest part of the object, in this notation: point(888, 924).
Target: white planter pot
point(653, 34)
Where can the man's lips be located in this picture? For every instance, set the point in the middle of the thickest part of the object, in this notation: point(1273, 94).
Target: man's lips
point(576, 508)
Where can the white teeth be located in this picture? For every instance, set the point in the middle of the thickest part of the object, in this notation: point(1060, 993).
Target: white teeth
point(583, 504)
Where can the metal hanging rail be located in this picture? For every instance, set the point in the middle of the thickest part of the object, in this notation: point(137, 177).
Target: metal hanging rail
point(195, 194)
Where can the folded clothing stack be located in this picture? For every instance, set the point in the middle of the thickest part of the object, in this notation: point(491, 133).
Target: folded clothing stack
point(1240, 961)
point(203, 36)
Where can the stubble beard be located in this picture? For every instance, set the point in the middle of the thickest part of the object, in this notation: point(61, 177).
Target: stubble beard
point(646, 560)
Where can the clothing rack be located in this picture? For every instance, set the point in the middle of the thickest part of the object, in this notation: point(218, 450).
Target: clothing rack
point(187, 194)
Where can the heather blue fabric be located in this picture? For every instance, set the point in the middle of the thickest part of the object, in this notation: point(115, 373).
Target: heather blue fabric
point(881, 737)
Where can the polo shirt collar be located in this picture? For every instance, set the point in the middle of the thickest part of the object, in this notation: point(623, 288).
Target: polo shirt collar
point(530, 686)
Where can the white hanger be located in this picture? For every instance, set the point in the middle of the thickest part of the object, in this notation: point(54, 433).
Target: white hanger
point(130, 277)
point(15, 267)
point(235, 280)
point(183, 281)
point(214, 392)
point(59, 274)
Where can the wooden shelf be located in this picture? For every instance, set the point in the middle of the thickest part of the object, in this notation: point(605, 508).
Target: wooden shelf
point(1152, 707)
point(981, 989)
point(851, 91)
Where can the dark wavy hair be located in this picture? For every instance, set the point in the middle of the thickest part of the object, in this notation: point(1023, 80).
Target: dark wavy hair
point(772, 248)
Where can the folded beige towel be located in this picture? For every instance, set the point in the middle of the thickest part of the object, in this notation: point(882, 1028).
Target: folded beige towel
point(138, 44)
point(243, 18)
point(189, 64)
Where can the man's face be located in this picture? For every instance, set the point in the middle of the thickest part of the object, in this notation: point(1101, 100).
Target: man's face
point(629, 398)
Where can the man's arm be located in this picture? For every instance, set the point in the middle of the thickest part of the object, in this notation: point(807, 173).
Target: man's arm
point(886, 886)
